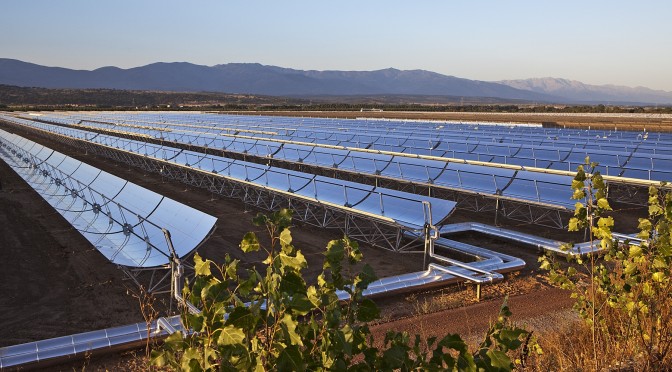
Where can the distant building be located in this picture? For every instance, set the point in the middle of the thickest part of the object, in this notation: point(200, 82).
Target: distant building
point(370, 110)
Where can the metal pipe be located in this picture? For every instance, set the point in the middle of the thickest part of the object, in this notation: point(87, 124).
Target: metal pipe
point(528, 239)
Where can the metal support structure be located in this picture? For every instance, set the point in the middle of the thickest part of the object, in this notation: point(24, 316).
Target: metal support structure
point(474, 274)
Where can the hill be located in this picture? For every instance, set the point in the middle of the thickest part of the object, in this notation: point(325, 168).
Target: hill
point(574, 91)
point(251, 78)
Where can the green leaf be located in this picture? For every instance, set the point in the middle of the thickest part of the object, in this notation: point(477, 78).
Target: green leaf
point(598, 182)
point(645, 224)
point(195, 321)
point(282, 218)
point(454, 342)
point(630, 268)
point(659, 263)
point(202, 267)
point(191, 360)
point(334, 254)
point(602, 203)
point(367, 311)
point(231, 335)
point(313, 296)
point(285, 238)
point(577, 184)
point(395, 356)
point(366, 277)
point(260, 219)
point(216, 292)
point(574, 224)
point(250, 243)
point(634, 251)
point(607, 222)
point(658, 276)
point(499, 359)
point(655, 210)
point(161, 358)
point(289, 326)
point(292, 282)
point(300, 304)
point(298, 262)
point(290, 359)
point(242, 317)
point(511, 334)
point(231, 269)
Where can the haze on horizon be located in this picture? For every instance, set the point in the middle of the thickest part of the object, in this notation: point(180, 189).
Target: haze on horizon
point(597, 42)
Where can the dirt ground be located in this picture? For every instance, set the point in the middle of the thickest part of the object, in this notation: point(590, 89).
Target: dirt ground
point(54, 283)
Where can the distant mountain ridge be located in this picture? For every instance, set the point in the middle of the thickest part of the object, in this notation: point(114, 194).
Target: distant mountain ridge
point(575, 91)
point(254, 78)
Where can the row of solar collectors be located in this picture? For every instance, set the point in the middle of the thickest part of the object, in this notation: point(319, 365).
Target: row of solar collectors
point(373, 125)
point(651, 167)
point(97, 204)
point(434, 132)
point(435, 143)
point(522, 185)
point(362, 134)
point(329, 129)
point(404, 208)
point(426, 129)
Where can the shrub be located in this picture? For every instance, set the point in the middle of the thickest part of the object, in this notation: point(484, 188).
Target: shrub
point(625, 295)
point(273, 320)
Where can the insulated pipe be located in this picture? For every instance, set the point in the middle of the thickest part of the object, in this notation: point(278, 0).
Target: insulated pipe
point(536, 241)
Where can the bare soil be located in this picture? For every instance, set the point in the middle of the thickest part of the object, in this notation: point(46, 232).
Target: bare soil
point(54, 283)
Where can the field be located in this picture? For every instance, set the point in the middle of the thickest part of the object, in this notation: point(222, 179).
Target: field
point(54, 283)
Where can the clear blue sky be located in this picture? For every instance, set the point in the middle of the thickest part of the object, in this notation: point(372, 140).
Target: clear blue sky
point(596, 42)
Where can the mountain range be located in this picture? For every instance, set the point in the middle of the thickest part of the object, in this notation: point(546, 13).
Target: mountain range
point(253, 78)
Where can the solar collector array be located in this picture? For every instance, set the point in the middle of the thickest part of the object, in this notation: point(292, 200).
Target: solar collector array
point(636, 159)
point(549, 189)
point(399, 207)
point(122, 220)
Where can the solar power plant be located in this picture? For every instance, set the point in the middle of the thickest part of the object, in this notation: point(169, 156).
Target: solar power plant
point(267, 162)
point(124, 221)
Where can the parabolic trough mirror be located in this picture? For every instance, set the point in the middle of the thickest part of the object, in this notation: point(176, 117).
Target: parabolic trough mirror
point(125, 222)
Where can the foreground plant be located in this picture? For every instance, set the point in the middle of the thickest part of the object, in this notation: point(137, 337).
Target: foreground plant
point(626, 296)
point(272, 320)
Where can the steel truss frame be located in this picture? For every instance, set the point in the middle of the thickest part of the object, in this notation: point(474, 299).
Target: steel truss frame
point(540, 214)
point(628, 194)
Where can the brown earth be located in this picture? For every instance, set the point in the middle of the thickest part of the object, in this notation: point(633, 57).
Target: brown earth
point(54, 283)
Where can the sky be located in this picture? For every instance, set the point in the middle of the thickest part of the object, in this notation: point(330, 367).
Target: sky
point(596, 42)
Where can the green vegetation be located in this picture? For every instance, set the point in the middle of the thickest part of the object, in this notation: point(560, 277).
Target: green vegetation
point(625, 298)
point(272, 320)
